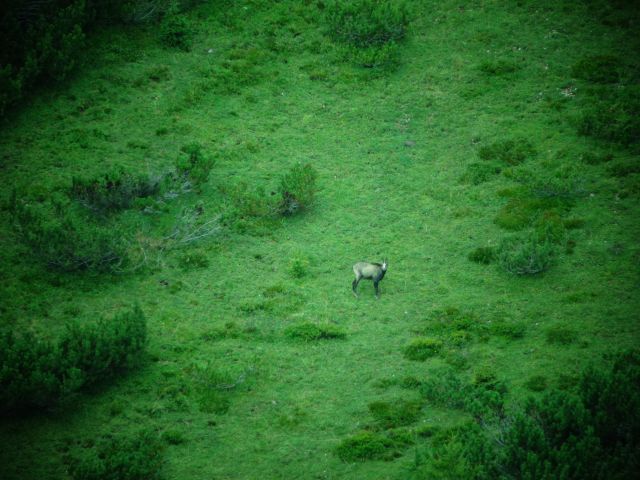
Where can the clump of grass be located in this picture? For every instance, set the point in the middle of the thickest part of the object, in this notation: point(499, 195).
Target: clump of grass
point(523, 255)
point(215, 386)
point(482, 255)
point(561, 335)
point(597, 69)
point(512, 331)
point(481, 172)
point(520, 211)
point(299, 267)
point(193, 259)
point(592, 158)
point(615, 118)
point(308, 331)
point(395, 414)
point(367, 445)
point(498, 67)
point(297, 189)
point(422, 348)
point(194, 164)
point(511, 152)
point(536, 383)
point(177, 31)
point(459, 337)
point(623, 168)
point(549, 227)
point(173, 437)
point(228, 330)
point(409, 382)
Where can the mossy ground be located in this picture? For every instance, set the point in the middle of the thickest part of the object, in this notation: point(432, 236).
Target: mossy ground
point(263, 89)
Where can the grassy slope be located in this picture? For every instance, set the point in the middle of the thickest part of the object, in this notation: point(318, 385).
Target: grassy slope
point(378, 197)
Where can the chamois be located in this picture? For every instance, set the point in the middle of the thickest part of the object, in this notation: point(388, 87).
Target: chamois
point(369, 271)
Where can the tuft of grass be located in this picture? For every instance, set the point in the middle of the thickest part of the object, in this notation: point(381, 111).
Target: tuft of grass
point(394, 414)
point(367, 445)
point(523, 256)
point(422, 348)
point(597, 69)
point(481, 172)
point(482, 255)
point(561, 335)
point(511, 152)
point(536, 383)
point(498, 67)
point(309, 332)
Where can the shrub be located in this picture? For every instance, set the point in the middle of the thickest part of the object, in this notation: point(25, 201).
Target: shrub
point(37, 373)
point(64, 240)
point(480, 172)
point(299, 267)
point(561, 335)
point(112, 191)
point(597, 69)
point(122, 457)
point(297, 189)
point(422, 348)
point(615, 118)
point(367, 23)
point(511, 152)
point(498, 67)
point(194, 164)
point(308, 331)
point(524, 256)
point(395, 414)
point(176, 31)
point(369, 446)
point(482, 255)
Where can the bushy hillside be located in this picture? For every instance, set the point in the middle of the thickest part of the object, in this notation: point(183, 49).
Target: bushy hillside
point(181, 210)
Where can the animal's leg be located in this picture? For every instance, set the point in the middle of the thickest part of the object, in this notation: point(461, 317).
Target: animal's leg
point(354, 285)
point(375, 284)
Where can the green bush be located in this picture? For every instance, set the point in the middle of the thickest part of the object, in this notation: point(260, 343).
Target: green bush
point(297, 189)
point(367, 23)
point(113, 191)
point(422, 348)
point(522, 255)
point(38, 373)
point(194, 164)
point(176, 31)
point(482, 255)
point(510, 152)
point(614, 117)
point(64, 240)
point(121, 457)
point(598, 69)
point(399, 413)
point(308, 331)
point(370, 446)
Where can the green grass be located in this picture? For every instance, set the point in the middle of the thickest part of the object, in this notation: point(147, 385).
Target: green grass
point(262, 89)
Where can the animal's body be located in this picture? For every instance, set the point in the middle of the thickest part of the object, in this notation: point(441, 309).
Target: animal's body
point(369, 271)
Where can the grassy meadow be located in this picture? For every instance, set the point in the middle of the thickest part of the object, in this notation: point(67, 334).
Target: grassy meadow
point(479, 139)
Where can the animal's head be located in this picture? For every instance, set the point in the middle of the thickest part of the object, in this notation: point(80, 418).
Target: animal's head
point(384, 265)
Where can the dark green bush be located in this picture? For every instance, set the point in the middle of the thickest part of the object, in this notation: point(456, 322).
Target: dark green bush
point(422, 348)
point(498, 67)
point(523, 255)
point(482, 255)
point(369, 446)
point(511, 152)
point(598, 69)
point(367, 23)
point(308, 331)
point(114, 191)
point(121, 457)
point(194, 164)
point(399, 413)
point(297, 189)
point(65, 240)
point(38, 373)
point(614, 117)
point(176, 31)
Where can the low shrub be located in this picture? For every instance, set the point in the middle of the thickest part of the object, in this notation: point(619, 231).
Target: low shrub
point(510, 152)
point(422, 348)
point(369, 446)
point(194, 164)
point(561, 335)
point(177, 31)
point(37, 373)
point(615, 117)
point(498, 67)
point(297, 189)
point(523, 255)
point(395, 414)
point(64, 240)
point(598, 69)
point(482, 255)
point(308, 331)
point(367, 23)
point(122, 457)
point(113, 191)
point(481, 172)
